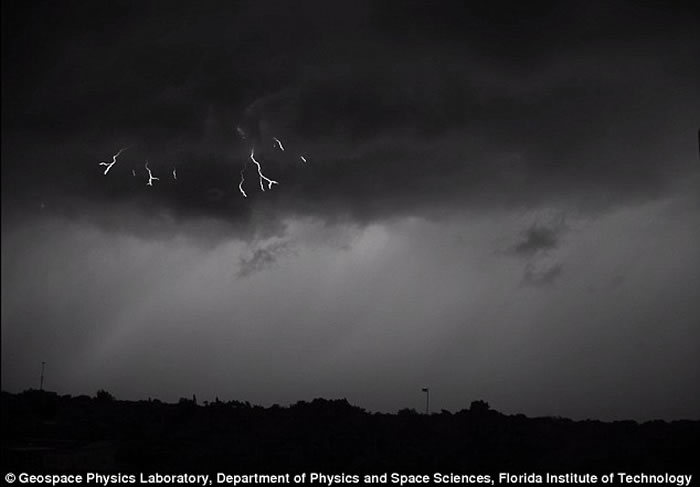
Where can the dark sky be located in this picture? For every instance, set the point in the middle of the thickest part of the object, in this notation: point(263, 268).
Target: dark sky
point(499, 201)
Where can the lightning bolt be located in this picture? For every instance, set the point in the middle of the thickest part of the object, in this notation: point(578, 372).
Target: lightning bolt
point(114, 160)
point(261, 176)
point(175, 174)
point(240, 185)
point(133, 172)
point(151, 177)
point(279, 143)
point(303, 159)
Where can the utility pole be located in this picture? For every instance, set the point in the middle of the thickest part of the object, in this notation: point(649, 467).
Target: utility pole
point(427, 400)
point(41, 380)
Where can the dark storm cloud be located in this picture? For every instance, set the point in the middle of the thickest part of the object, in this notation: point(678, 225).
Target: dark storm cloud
point(537, 248)
point(261, 258)
point(536, 239)
point(400, 109)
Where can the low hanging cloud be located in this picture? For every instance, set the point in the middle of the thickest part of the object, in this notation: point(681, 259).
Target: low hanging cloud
point(537, 247)
point(262, 257)
point(537, 238)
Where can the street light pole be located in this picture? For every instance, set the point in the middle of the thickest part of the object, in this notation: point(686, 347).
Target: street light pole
point(427, 400)
point(41, 379)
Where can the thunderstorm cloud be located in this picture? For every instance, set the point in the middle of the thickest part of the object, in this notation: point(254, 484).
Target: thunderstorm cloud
point(496, 201)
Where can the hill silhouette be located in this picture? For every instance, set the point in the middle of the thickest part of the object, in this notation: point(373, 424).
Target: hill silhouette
point(47, 432)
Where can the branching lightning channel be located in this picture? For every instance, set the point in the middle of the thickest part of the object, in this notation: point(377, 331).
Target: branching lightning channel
point(261, 176)
point(279, 143)
point(151, 177)
point(240, 184)
point(114, 160)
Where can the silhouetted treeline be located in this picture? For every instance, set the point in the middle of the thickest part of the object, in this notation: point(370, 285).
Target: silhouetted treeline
point(42, 431)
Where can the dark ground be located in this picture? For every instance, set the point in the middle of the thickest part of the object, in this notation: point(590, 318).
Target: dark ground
point(45, 432)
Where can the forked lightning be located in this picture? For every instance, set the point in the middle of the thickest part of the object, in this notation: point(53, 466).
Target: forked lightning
point(114, 160)
point(261, 176)
point(151, 177)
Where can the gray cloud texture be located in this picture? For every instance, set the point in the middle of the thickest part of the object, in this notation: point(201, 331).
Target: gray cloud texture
point(537, 248)
point(262, 257)
point(536, 239)
point(541, 273)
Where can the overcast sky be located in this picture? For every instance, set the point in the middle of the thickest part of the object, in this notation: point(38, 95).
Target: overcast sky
point(497, 202)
